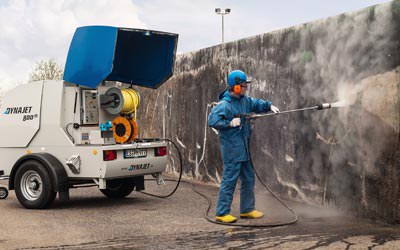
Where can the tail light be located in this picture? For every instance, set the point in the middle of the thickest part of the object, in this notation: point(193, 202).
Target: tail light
point(161, 151)
point(109, 155)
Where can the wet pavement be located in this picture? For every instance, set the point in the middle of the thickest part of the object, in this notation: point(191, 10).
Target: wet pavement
point(91, 221)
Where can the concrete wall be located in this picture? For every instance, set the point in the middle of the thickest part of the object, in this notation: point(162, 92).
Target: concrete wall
point(348, 157)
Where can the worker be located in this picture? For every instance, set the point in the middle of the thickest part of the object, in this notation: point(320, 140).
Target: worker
point(234, 137)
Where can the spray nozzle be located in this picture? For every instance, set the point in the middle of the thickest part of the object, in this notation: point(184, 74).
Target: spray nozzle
point(328, 105)
point(324, 106)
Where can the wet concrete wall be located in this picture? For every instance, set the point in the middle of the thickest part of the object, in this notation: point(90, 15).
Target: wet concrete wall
point(347, 157)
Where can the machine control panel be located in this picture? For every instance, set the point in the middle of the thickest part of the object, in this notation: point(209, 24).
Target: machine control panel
point(90, 107)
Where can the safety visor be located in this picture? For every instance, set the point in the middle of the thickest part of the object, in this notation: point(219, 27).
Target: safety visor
point(242, 80)
point(245, 80)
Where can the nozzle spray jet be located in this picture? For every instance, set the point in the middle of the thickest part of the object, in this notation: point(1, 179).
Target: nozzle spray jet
point(321, 106)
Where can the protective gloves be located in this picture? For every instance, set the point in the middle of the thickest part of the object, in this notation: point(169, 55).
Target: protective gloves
point(275, 109)
point(235, 122)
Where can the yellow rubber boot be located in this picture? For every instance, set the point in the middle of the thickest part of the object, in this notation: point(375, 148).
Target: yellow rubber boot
point(226, 218)
point(252, 215)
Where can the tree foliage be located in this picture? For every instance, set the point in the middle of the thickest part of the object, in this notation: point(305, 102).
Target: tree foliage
point(46, 70)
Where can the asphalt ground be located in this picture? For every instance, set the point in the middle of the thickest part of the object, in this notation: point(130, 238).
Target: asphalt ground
point(91, 221)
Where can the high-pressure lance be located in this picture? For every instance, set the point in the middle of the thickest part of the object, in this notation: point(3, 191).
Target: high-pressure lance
point(320, 106)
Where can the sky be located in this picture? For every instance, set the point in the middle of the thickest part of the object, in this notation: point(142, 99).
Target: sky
point(32, 30)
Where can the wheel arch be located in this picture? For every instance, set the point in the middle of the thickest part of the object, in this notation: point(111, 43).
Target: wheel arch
point(59, 176)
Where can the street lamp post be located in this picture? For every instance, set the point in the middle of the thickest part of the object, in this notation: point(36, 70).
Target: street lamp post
point(222, 13)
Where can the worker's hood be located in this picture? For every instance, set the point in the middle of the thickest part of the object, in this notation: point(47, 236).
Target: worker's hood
point(133, 56)
point(226, 96)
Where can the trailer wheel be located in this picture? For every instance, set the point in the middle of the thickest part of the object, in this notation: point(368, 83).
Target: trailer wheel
point(118, 188)
point(33, 186)
point(3, 193)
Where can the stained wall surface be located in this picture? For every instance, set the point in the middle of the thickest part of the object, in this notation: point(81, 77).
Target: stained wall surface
point(344, 157)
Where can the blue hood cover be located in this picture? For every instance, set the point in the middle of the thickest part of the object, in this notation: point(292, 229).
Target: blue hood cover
point(133, 56)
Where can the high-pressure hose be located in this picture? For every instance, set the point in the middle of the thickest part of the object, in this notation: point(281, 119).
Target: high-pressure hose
point(294, 220)
point(209, 201)
point(246, 118)
point(180, 173)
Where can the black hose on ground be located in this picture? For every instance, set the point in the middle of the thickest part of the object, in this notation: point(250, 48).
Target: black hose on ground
point(294, 220)
point(180, 174)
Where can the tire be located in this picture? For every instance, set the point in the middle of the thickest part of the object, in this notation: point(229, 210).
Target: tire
point(33, 186)
point(3, 193)
point(118, 188)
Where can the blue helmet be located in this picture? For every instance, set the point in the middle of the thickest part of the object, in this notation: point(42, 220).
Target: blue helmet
point(237, 77)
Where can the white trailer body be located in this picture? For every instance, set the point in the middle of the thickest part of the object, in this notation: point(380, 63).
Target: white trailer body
point(41, 128)
point(51, 132)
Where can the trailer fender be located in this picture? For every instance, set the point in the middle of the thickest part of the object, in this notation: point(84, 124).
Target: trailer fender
point(53, 166)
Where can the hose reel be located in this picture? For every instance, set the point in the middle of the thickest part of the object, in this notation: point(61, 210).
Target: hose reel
point(120, 101)
point(124, 102)
point(125, 130)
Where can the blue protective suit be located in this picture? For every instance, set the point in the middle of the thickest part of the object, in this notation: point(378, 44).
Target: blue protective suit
point(234, 150)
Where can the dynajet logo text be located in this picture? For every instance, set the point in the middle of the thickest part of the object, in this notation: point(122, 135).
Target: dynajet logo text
point(138, 167)
point(21, 110)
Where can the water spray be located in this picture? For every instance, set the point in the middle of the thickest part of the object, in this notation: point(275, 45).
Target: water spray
point(321, 106)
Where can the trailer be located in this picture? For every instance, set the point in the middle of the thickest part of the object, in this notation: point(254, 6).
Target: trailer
point(82, 130)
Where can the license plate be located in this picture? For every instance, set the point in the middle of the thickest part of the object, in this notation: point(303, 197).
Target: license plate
point(135, 153)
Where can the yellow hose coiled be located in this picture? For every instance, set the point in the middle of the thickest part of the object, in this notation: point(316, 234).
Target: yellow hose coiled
point(131, 101)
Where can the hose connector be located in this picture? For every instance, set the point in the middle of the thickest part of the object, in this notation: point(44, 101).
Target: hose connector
point(324, 106)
